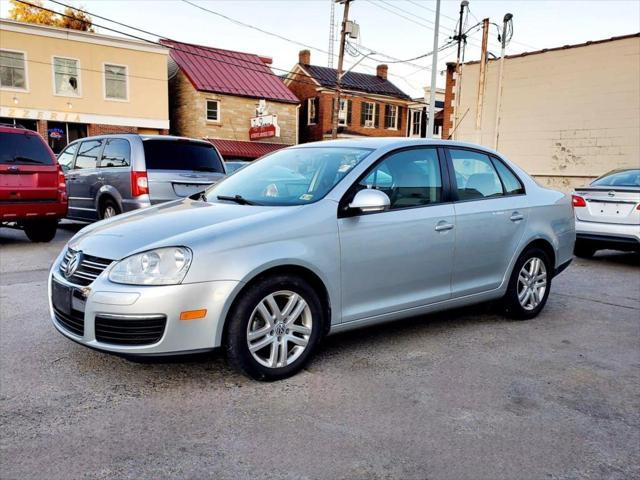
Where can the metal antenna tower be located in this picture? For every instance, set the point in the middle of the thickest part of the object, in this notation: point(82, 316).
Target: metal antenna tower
point(332, 34)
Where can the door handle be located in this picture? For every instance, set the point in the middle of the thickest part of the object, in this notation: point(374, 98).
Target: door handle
point(442, 227)
point(516, 217)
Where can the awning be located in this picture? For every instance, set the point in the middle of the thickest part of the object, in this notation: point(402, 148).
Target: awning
point(246, 150)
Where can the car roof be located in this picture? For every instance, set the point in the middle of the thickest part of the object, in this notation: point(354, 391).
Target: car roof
point(12, 129)
point(143, 137)
point(376, 143)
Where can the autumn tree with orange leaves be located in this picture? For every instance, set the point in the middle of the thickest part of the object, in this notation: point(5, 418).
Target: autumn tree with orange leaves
point(74, 19)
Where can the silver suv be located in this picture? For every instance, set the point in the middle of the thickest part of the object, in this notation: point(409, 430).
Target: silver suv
point(110, 174)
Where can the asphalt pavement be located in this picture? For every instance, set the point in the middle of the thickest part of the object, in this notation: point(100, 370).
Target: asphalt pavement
point(459, 395)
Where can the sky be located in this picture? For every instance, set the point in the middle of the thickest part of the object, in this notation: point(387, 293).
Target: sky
point(401, 29)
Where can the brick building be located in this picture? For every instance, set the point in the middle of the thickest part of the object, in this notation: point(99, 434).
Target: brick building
point(232, 99)
point(567, 114)
point(68, 84)
point(370, 105)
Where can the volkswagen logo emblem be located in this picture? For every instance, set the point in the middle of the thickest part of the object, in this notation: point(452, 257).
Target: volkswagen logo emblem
point(73, 264)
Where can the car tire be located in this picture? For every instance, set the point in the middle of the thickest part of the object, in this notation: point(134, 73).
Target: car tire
point(277, 334)
point(43, 231)
point(583, 250)
point(109, 209)
point(525, 298)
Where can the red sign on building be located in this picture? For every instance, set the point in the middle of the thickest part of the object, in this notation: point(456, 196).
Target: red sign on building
point(264, 126)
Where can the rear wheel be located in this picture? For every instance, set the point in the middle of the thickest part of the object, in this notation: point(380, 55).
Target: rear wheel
point(583, 250)
point(43, 231)
point(274, 328)
point(109, 209)
point(529, 285)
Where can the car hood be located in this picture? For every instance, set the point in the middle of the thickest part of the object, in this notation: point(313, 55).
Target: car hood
point(182, 222)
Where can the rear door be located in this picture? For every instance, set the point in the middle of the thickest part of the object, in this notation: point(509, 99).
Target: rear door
point(178, 168)
point(83, 181)
point(115, 166)
point(28, 172)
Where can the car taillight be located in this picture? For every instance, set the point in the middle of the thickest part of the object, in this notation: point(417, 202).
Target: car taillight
point(139, 183)
point(578, 201)
point(62, 184)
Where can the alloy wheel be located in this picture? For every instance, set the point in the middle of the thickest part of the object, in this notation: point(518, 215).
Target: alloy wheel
point(279, 329)
point(109, 212)
point(532, 283)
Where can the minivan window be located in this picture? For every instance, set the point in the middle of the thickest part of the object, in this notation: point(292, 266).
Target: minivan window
point(410, 178)
point(65, 159)
point(88, 154)
point(181, 155)
point(475, 175)
point(23, 149)
point(512, 185)
point(116, 153)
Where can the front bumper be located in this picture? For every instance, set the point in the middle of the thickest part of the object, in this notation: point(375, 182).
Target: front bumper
point(608, 235)
point(107, 299)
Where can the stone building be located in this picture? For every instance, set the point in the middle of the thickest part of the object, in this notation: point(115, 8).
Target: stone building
point(232, 99)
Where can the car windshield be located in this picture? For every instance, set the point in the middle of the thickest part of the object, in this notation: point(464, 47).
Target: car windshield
point(625, 178)
point(181, 155)
point(23, 149)
point(294, 176)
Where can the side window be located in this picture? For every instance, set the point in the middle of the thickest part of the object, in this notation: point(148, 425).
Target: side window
point(65, 159)
point(512, 184)
point(410, 178)
point(88, 154)
point(475, 175)
point(116, 153)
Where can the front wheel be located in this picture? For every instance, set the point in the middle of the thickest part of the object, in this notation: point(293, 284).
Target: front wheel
point(43, 231)
point(529, 285)
point(274, 328)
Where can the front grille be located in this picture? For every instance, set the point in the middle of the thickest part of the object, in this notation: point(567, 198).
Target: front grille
point(129, 330)
point(88, 270)
point(73, 322)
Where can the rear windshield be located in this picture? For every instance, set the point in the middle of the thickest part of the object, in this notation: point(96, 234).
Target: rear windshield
point(625, 178)
point(23, 149)
point(181, 155)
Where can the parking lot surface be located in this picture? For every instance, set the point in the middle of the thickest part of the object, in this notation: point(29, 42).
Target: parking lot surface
point(459, 395)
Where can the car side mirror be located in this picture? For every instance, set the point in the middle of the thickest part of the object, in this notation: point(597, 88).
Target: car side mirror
point(370, 201)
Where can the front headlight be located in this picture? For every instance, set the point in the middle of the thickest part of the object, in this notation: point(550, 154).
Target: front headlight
point(163, 266)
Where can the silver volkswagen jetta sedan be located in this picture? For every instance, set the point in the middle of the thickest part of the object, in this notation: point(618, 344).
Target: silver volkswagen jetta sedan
point(311, 240)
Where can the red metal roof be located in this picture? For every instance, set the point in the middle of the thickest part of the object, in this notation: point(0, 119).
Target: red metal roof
point(242, 149)
point(225, 71)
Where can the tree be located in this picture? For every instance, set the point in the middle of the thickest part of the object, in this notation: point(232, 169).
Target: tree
point(74, 19)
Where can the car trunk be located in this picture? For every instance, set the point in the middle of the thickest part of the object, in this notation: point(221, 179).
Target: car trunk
point(609, 204)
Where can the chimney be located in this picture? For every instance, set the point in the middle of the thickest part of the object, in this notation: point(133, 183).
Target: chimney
point(381, 71)
point(304, 57)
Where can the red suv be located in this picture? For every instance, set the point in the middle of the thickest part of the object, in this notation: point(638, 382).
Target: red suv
point(33, 194)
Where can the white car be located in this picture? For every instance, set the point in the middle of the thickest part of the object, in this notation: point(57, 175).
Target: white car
point(608, 213)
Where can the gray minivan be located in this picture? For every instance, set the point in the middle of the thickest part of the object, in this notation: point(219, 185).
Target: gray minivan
point(110, 174)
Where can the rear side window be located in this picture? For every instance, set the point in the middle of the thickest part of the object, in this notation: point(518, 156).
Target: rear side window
point(88, 154)
point(65, 159)
point(116, 153)
point(512, 185)
point(625, 178)
point(23, 149)
point(475, 175)
point(181, 155)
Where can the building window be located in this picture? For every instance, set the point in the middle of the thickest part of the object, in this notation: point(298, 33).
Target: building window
point(115, 82)
point(312, 111)
point(343, 112)
point(13, 70)
point(368, 114)
point(391, 117)
point(416, 123)
point(66, 76)
point(213, 110)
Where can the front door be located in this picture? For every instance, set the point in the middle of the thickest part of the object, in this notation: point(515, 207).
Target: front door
point(83, 181)
point(491, 214)
point(401, 258)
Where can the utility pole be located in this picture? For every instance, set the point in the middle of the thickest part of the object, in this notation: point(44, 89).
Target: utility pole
point(507, 18)
point(434, 71)
point(483, 72)
point(336, 100)
point(461, 39)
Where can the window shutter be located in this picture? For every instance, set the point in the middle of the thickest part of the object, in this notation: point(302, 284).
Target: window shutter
point(400, 109)
point(387, 123)
point(349, 108)
point(376, 121)
point(362, 114)
point(304, 114)
point(316, 103)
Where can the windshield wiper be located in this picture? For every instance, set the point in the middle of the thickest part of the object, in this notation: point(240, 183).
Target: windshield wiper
point(18, 158)
point(237, 198)
point(205, 169)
